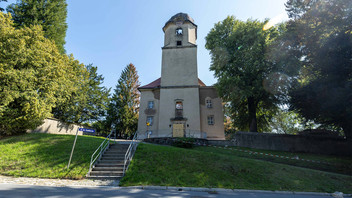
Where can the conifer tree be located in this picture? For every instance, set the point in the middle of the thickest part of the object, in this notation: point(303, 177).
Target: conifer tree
point(123, 109)
point(50, 14)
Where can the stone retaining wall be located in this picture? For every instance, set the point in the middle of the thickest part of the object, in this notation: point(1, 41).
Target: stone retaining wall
point(55, 126)
point(170, 140)
point(292, 143)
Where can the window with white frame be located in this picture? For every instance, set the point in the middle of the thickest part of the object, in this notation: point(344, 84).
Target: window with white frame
point(211, 120)
point(150, 120)
point(150, 104)
point(209, 103)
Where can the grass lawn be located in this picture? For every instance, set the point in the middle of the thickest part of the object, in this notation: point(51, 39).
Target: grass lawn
point(172, 166)
point(46, 155)
point(334, 164)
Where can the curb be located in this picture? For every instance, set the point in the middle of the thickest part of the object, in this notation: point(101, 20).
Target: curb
point(193, 189)
point(222, 190)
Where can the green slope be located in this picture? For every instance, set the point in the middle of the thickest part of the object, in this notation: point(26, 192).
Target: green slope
point(171, 166)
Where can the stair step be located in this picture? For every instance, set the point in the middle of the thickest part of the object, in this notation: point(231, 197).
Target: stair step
point(116, 151)
point(114, 154)
point(108, 168)
point(112, 158)
point(119, 146)
point(104, 177)
point(109, 165)
point(106, 173)
point(111, 161)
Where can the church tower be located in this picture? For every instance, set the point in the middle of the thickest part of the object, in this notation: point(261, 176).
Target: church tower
point(179, 54)
point(179, 104)
point(179, 91)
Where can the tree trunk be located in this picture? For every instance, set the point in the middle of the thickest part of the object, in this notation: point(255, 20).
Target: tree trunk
point(347, 130)
point(252, 110)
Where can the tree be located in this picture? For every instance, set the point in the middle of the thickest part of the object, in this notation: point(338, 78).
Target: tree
point(2, 9)
point(287, 122)
point(34, 76)
point(89, 103)
point(246, 78)
point(123, 109)
point(320, 36)
point(51, 15)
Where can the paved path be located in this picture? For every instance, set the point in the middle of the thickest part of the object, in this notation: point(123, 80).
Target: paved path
point(36, 187)
point(56, 182)
point(30, 191)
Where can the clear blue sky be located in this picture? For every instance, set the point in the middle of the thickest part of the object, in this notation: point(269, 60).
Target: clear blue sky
point(113, 33)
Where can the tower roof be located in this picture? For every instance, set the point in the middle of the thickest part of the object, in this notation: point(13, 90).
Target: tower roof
point(179, 17)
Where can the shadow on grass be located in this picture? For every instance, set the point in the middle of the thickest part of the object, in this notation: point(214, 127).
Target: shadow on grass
point(340, 165)
point(47, 155)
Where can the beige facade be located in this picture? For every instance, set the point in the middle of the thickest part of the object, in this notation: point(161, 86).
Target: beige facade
point(179, 104)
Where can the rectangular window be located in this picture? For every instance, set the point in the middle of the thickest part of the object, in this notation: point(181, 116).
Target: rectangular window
point(179, 43)
point(210, 120)
point(209, 104)
point(150, 120)
point(179, 110)
point(150, 104)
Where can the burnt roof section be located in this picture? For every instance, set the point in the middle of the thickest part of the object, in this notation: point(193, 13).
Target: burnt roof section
point(156, 84)
point(179, 17)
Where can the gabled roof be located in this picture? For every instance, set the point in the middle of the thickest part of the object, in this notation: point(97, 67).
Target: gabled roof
point(152, 85)
point(156, 84)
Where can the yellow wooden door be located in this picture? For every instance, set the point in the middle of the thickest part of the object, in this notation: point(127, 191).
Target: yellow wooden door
point(178, 130)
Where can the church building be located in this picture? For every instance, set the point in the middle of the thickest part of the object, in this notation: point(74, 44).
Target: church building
point(179, 104)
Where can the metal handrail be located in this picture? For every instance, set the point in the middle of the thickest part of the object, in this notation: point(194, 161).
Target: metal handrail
point(129, 153)
point(103, 146)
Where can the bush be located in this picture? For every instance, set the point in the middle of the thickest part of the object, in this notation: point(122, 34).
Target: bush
point(184, 142)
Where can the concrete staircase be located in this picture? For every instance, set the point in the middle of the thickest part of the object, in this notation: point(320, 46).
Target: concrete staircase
point(110, 166)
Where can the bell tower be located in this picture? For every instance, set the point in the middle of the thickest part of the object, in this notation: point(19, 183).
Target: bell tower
point(179, 53)
point(179, 104)
point(179, 87)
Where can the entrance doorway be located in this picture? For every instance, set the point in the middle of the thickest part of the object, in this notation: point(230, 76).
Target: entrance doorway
point(178, 130)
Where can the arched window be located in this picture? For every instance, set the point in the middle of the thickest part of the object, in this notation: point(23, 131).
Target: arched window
point(179, 109)
point(179, 32)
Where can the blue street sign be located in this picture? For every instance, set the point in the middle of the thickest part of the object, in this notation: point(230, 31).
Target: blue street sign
point(87, 130)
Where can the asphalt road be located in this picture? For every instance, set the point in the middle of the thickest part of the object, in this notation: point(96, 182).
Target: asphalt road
point(30, 191)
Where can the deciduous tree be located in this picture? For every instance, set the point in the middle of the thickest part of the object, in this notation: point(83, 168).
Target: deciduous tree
point(34, 76)
point(246, 78)
point(2, 9)
point(320, 34)
point(50, 14)
point(87, 104)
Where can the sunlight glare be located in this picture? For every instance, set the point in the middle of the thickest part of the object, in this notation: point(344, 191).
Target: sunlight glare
point(277, 19)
